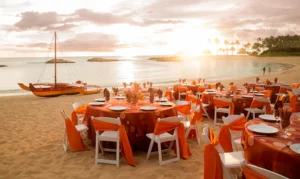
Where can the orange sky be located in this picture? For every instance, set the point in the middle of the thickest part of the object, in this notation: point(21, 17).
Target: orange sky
point(135, 27)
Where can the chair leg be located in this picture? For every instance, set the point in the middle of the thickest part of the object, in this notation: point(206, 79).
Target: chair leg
point(197, 135)
point(65, 142)
point(247, 117)
point(118, 153)
point(177, 149)
point(171, 145)
point(97, 149)
point(215, 117)
point(187, 132)
point(253, 115)
point(159, 152)
point(150, 149)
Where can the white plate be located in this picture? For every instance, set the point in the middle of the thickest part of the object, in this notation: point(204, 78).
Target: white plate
point(213, 92)
point(247, 96)
point(97, 103)
point(166, 104)
point(210, 91)
point(119, 97)
point(258, 94)
point(147, 108)
point(264, 129)
point(100, 99)
point(295, 148)
point(267, 117)
point(117, 108)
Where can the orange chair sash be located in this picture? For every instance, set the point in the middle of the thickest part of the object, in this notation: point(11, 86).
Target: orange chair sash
point(74, 138)
point(169, 93)
point(293, 102)
point(225, 136)
point(126, 148)
point(250, 174)
point(184, 109)
point(258, 104)
point(221, 104)
point(295, 85)
point(162, 127)
point(181, 89)
point(79, 110)
point(212, 161)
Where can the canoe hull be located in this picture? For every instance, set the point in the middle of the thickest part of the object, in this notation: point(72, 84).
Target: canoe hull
point(54, 91)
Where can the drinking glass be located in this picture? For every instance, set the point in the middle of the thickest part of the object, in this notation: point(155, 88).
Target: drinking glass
point(283, 125)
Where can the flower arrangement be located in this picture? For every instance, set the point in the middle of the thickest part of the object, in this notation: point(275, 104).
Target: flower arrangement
point(183, 80)
point(248, 87)
point(257, 79)
point(134, 94)
point(268, 82)
point(106, 94)
point(115, 90)
point(194, 82)
point(218, 85)
point(160, 93)
point(124, 84)
point(199, 80)
point(221, 87)
point(275, 80)
point(144, 85)
point(180, 80)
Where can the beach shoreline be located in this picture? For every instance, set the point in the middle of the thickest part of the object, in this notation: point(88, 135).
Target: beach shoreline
point(32, 132)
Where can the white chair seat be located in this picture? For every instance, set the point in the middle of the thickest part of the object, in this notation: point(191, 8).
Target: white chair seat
point(224, 110)
point(81, 127)
point(186, 124)
point(237, 140)
point(255, 110)
point(109, 136)
point(232, 159)
point(205, 105)
point(163, 137)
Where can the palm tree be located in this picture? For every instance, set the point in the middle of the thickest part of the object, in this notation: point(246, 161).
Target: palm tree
point(217, 43)
point(226, 43)
point(232, 49)
point(247, 46)
point(237, 43)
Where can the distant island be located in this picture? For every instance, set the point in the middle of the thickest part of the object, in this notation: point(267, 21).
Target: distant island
point(3, 65)
point(59, 61)
point(167, 59)
point(101, 60)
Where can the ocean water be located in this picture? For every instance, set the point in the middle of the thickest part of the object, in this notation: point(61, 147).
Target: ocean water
point(108, 74)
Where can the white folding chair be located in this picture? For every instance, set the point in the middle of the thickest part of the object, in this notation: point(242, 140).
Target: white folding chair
point(234, 139)
point(183, 116)
point(181, 92)
point(255, 110)
point(187, 124)
point(81, 128)
point(80, 117)
point(230, 160)
point(264, 172)
point(108, 136)
point(165, 137)
point(204, 107)
point(222, 109)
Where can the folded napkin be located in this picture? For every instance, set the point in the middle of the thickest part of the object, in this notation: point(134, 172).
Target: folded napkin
point(160, 93)
point(275, 80)
point(115, 90)
point(106, 94)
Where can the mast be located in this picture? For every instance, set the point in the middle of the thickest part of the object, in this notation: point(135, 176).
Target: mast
point(55, 58)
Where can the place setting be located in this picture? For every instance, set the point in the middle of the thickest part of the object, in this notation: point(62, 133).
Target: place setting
point(97, 103)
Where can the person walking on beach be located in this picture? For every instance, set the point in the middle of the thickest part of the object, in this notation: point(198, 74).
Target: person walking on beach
point(269, 70)
point(264, 70)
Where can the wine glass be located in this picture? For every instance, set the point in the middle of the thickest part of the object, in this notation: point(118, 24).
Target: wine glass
point(283, 125)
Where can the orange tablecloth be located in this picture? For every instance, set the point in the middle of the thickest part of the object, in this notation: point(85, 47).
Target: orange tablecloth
point(192, 88)
point(262, 151)
point(136, 122)
point(240, 103)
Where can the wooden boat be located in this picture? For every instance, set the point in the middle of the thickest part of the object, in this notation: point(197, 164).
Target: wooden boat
point(90, 89)
point(53, 89)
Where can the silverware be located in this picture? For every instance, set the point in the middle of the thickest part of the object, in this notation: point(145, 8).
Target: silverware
point(287, 145)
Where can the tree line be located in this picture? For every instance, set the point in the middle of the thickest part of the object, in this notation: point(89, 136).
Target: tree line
point(280, 45)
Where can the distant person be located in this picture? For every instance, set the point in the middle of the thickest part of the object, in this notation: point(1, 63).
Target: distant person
point(264, 70)
point(269, 70)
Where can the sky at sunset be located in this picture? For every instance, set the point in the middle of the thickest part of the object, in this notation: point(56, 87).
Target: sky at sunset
point(139, 27)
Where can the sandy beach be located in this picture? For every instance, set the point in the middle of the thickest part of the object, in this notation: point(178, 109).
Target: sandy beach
point(32, 131)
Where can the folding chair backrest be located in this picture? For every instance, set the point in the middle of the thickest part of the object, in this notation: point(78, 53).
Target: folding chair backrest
point(229, 119)
point(77, 105)
point(267, 100)
point(108, 120)
point(229, 100)
point(63, 114)
point(266, 173)
point(205, 137)
point(170, 119)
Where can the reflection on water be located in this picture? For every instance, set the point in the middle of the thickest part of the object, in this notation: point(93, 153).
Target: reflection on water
point(114, 73)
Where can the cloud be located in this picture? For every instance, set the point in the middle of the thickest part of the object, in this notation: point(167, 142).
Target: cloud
point(84, 42)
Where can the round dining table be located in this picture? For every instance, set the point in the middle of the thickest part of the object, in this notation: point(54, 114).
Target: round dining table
point(272, 151)
point(138, 119)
